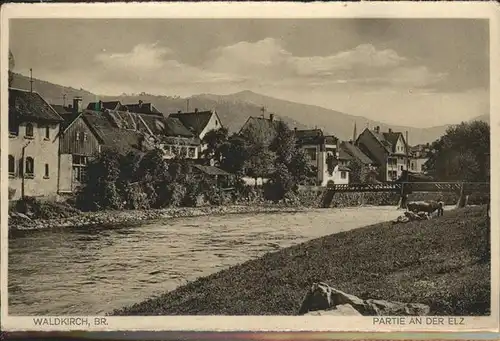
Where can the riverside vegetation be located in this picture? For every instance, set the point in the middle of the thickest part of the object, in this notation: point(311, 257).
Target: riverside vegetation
point(147, 184)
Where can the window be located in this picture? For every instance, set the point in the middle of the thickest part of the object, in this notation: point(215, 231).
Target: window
point(167, 149)
point(80, 160)
point(30, 167)
point(47, 133)
point(85, 136)
point(393, 175)
point(216, 123)
point(312, 153)
point(343, 174)
point(77, 136)
point(402, 168)
point(12, 165)
point(183, 151)
point(79, 173)
point(46, 170)
point(79, 167)
point(422, 168)
point(192, 152)
point(29, 130)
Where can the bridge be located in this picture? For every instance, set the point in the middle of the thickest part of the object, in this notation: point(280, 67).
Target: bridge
point(409, 187)
point(405, 188)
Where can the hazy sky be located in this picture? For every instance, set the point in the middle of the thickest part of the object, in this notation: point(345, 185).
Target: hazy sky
point(419, 72)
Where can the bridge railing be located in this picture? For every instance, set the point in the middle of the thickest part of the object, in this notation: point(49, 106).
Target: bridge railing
point(408, 187)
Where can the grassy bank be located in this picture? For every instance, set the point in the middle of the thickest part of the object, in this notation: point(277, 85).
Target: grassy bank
point(444, 263)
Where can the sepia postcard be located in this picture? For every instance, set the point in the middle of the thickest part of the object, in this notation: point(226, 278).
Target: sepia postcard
point(250, 167)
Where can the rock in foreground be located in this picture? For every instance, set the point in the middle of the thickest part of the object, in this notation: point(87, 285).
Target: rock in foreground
point(322, 299)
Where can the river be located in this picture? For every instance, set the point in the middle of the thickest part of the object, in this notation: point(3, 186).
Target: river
point(92, 271)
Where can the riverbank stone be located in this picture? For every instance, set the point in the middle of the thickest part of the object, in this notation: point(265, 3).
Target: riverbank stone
point(322, 299)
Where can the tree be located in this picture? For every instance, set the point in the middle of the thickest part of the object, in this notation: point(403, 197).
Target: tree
point(261, 162)
point(331, 163)
point(280, 183)
point(214, 141)
point(234, 155)
point(284, 144)
point(100, 190)
point(300, 167)
point(461, 154)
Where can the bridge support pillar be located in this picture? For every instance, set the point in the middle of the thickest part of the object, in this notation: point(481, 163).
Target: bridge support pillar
point(403, 199)
point(463, 198)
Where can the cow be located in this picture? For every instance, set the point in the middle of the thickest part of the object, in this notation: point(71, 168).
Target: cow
point(426, 206)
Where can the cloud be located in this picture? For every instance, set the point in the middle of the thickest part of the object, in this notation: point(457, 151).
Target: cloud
point(143, 57)
point(267, 62)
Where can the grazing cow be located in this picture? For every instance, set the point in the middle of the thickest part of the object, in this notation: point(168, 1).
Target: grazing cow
point(426, 206)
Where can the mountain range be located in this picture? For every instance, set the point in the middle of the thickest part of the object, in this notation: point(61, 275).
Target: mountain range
point(234, 110)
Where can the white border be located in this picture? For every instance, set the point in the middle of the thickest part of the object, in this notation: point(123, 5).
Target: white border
point(259, 10)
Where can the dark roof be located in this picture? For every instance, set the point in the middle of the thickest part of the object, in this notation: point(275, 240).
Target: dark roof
point(142, 108)
point(314, 136)
point(30, 106)
point(68, 119)
point(388, 140)
point(168, 126)
point(194, 121)
point(113, 137)
point(392, 137)
point(355, 152)
point(61, 109)
point(266, 127)
point(211, 170)
point(344, 155)
point(111, 105)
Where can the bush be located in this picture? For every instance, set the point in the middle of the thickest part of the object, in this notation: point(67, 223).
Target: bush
point(44, 209)
point(134, 197)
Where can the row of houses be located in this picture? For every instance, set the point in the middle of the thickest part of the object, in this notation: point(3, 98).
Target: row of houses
point(386, 154)
point(50, 145)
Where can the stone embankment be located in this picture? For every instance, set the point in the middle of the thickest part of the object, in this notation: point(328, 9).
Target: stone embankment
point(322, 299)
point(19, 221)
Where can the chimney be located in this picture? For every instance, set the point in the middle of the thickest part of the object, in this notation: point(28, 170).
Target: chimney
point(77, 105)
point(390, 130)
point(140, 103)
point(179, 111)
point(295, 129)
point(195, 110)
point(271, 117)
point(377, 129)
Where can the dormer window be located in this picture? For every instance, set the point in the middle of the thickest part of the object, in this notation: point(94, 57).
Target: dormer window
point(47, 133)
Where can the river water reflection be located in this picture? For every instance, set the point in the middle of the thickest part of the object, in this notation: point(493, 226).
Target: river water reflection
point(93, 271)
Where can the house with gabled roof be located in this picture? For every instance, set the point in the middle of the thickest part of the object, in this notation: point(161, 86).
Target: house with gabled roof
point(388, 149)
point(33, 145)
point(322, 149)
point(199, 123)
point(418, 158)
point(262, 130)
